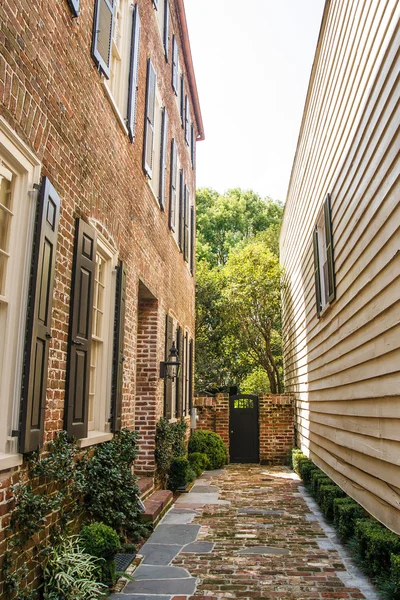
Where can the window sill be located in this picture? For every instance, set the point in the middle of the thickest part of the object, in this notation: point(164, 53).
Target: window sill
point(114, 106)
point(95, 437)
point(8, 461)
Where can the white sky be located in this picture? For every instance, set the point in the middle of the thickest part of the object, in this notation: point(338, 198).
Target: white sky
point(252, 62)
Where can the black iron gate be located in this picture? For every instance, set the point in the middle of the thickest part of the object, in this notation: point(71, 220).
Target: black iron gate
point(243, 429)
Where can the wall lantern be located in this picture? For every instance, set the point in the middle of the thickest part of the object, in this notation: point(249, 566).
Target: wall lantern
point(171, 367)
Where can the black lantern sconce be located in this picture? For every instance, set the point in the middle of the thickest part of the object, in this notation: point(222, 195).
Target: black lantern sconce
point(171, 367)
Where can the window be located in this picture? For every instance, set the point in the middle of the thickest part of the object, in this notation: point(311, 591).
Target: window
point(19, 171)
point(175, 66)
point(192, 144)
point(324, 269)
point(162, 8)
point(173, 186)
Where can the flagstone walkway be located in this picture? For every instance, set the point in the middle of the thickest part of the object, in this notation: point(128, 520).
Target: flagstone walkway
point(245, 532)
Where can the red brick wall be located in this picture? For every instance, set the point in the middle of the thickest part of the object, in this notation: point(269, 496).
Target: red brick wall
point(276, 418)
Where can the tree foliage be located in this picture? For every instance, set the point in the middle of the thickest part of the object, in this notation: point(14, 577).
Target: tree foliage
point(238, 319)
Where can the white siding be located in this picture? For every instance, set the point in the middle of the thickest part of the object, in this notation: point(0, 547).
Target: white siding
point(345, 367)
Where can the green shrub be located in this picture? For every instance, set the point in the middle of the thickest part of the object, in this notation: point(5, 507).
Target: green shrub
point(170, 443)
point(346, 512)
point(101, 541)
point(296, 453)
point(395, 575)
point(211, 444)
point(306, 468)
point(375, 545)
point(327, 493)
point(199, 462)
point(318, 478)
point(70, 573)
point(180, 473)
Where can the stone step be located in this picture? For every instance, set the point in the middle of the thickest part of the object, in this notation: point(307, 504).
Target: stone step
point(146, 485)
point(156, 504)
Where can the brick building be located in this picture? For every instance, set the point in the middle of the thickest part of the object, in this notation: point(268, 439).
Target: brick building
point(99, 120)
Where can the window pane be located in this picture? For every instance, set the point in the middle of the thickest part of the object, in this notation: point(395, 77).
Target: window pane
point(3, 267)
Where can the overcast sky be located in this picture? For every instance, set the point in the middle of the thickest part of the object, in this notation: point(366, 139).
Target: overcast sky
point(252, 62)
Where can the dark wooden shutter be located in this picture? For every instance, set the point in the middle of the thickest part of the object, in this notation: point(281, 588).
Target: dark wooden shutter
point(74, 6)
point(175, 66)
point(166, 30)
point(186, 375)
point(192, 144)
point(178, 386)
point(80, 334)
point(169, 325)
point(118, 354)
point(181, 209)
point(192, 239)
point(191, 375)
point(317, 272)
point(148, 143)
point(182, 358)
point(186, 201)
point(182, 101)
point(331, 291)
point(134, 73)
point(163, 158)
point(38, 330)
point(102, 35)
point(172, 187)
point(187, 119)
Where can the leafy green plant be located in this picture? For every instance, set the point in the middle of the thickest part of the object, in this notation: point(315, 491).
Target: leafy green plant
point(170, 443)
point(199, 462)
point(318, 478)
point(376, 544)
point(180, 473)
point(306, 467)
point(295, 454)
point(346, 512)
point(70, 573)
point(211, 444)
point(111, 490)
point(101, 541)
point(327, 493)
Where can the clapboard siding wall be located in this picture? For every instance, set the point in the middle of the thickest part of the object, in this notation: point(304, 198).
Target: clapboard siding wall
point(344, 367)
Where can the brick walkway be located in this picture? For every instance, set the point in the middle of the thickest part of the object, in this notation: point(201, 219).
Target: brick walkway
point(246, 532)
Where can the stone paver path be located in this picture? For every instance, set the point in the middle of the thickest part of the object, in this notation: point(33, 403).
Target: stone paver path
point(245, 532)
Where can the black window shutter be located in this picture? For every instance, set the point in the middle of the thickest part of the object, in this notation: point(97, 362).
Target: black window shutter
point(172, 187)
point(175, 66)
point(317, 272)
point(38, 333)
point(178, 387)
point(191, 375)
point(134, 73)
point(192, 239)
point(118, 354)
point(148, 143)
point(102, 35)
point(80, 334)
point(192, 144)
point(182, 101)
point(182, 358)
point(186, 224)
point(155, 2)
point(187, 119)
point(74, 6)
point(331, 295)
point(181, 208)
point(186, 376)
point(169, 325)
point(166, 30)
point(163, 158)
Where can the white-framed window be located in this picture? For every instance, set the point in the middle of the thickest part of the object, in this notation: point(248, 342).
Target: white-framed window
point(19, 172)
point(102, 337)
point(324, 266)
point(156, 171)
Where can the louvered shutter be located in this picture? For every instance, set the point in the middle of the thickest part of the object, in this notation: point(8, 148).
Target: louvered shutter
point(102, 35)
point(74, 6)
point(38, 332)
point(166, 30)
point(175, 66)
point(186, 375)
point(182, 358)
point(191, 374)
point(169, 325)
point(192, 239)
point(192, 144)
point(80, 334)
point(148, 144)
point(187, 119)
point(163, 158)
point(331, 292)
point(172, 188)
point(118, 354)
point(317, 272)
point(134, 73)
point(181, 209)
point(182, 101)
point(186, 201)
point(178, 386)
